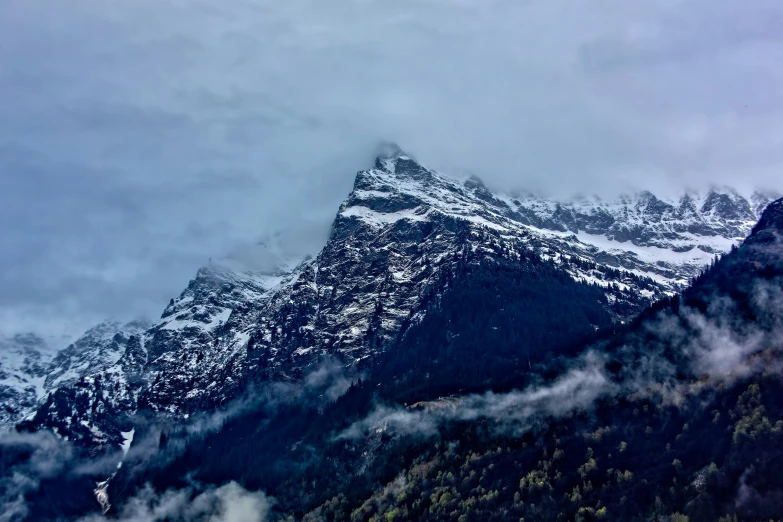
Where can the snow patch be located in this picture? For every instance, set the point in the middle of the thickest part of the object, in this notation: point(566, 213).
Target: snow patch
point(127, 440)
point(380, 219)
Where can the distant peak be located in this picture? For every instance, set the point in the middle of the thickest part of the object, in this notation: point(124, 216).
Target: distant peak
point(760, 199)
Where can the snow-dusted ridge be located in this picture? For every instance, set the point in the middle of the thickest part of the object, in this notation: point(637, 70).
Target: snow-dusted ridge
point(30, 368)
point(23, 368)
point(402, 226)
point(666, 240)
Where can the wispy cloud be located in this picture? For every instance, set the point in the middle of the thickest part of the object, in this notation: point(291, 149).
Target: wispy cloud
point(43, 455)
point(228, 503)
point(721, 341)
point(720, 344)
point(46, 457)
point(578, 388)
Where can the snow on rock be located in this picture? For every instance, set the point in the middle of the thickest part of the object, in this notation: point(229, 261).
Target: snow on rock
point(23, 368)
point(127, 440)
point(402, 226)
point(99, 348)
point(30, 368)
point(669, 241)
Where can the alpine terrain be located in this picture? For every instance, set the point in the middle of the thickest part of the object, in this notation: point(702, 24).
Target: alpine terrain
point(675, 415)
point(399, 230)
point(433, 301)
point(30, 368)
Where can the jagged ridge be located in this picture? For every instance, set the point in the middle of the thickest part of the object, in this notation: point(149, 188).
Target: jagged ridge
point(400, 227)
point(30, 369)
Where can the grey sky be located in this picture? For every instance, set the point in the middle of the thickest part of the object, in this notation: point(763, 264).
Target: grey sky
point(138, 138)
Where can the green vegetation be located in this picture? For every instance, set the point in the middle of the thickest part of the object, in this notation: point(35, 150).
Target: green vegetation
point(467, 475)
point(706, 450)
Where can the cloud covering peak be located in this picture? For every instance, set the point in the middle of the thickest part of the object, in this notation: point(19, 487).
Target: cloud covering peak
point(144, 137)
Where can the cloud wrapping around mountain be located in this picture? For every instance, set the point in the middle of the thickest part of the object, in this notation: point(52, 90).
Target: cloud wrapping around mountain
point(142, 138)
point(579, 388)
point(50, 456)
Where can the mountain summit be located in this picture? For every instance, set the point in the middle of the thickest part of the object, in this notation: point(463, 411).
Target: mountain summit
point(480, 412)
point(396, 241)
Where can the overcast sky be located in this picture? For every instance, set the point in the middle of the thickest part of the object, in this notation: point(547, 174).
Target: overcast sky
point(138, 138)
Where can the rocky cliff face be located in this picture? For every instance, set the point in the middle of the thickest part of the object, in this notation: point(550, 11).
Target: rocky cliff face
point(768, 229)
point(98, 349)
point(399, 229)
point(30, 368)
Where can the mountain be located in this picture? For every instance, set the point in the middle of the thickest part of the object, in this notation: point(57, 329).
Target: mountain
point(675, 415)
point(429, 293)
point(98, 349)
point(23, 369)
point(680, 419)
point(400, 232)
point(30, 368)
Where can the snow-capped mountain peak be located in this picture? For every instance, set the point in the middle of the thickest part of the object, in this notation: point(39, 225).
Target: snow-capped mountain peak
point(30, 368)
point(669, 241)
point(98, 349)
point(397, 236)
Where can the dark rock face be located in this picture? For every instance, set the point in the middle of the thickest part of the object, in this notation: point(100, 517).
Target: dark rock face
point(726, 207)
point(401, 227)
point(770, 224)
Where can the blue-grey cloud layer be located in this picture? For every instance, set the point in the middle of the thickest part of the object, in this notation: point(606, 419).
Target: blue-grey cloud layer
point(140, 137)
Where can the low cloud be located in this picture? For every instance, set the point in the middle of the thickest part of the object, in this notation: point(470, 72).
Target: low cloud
point(753, 504)
point(43, 456)
point(723, 341)
point(228, 503)
point(578, 388)
point(329, 380)
point(721, 344)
